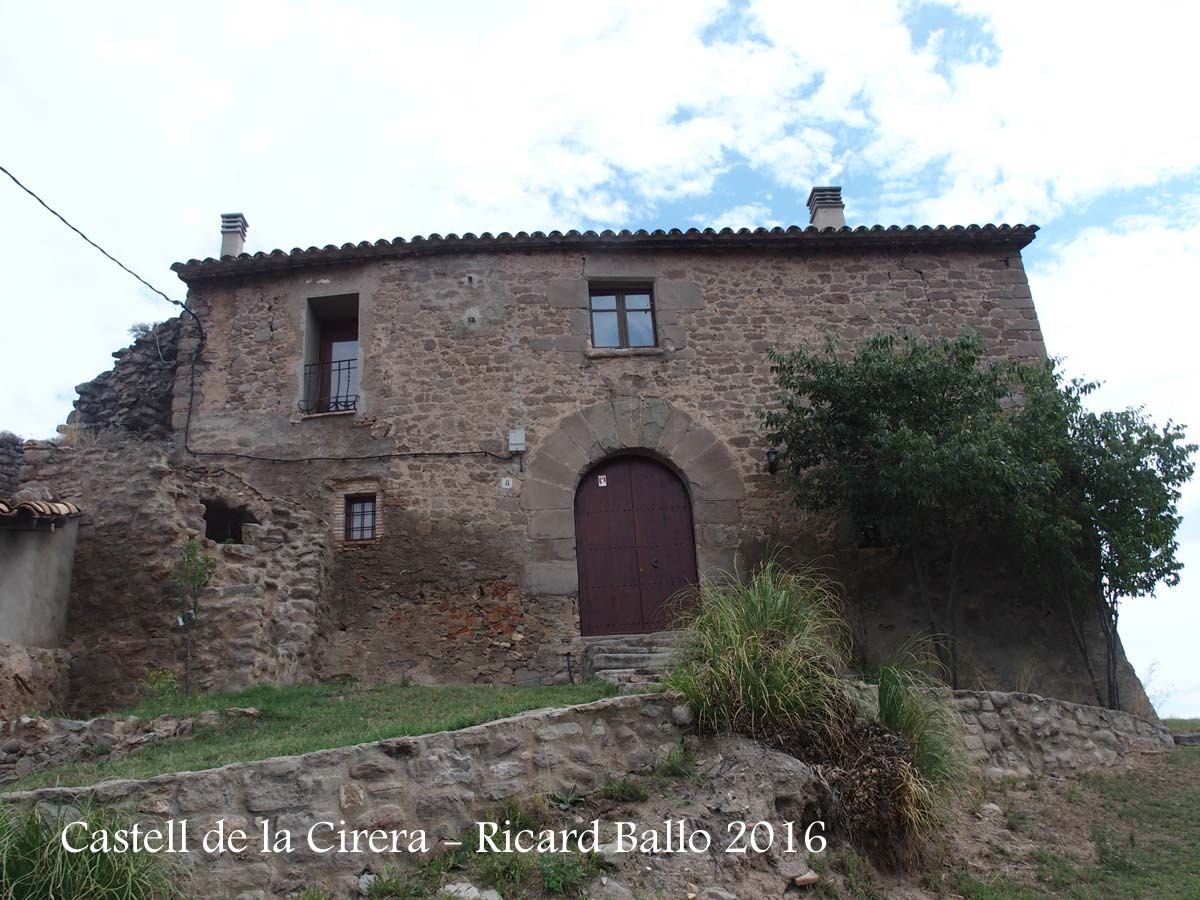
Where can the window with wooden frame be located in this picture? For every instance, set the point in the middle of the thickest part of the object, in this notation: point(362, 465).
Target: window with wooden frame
point(622, 316)
point(331, 355)
point(360, 517)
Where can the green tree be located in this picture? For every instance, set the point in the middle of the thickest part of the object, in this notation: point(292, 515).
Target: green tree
point(910, 437)
point(935, 448)
point(1108, 528)
point(195, 571)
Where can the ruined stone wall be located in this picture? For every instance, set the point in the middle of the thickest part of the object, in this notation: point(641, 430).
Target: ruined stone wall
point(136, 395)
point(440, 782)
point(11, 458)
point(32, 679)
point(258, 621)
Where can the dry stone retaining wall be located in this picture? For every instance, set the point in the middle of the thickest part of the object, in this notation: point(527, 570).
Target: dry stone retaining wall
point(30, 744)
point(1019, 735)
point(443, 782)
point(440, 782)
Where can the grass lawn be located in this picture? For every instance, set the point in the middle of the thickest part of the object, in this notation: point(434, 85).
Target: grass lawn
point(1182, 726)
point(1144, 839)
point(313, 717)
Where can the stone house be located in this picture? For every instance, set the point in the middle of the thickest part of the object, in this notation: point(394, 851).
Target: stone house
point(461, 458)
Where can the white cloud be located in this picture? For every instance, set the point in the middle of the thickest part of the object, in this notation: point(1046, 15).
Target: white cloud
point(748, 215)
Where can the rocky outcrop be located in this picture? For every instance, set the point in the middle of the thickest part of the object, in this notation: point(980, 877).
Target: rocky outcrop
point(136, 395)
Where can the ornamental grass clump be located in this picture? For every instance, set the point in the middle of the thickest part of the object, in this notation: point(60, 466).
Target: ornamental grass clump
point(762, 656)
point(34, 865)
point(765, 658)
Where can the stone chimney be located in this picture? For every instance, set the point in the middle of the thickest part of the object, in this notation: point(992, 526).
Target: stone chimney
point(233, 234)
point(825, 207)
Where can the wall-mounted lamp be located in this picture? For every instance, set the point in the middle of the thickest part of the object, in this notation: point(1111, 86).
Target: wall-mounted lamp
point(516, 445)
point(772, 460)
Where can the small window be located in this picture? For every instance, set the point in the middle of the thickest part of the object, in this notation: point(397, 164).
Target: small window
point(622, 317)
point(360, 517)
point(223, 523)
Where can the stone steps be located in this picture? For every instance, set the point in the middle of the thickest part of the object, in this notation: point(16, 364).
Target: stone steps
point(633, 662)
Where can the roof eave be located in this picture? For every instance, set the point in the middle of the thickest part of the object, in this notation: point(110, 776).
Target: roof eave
point(863, 237)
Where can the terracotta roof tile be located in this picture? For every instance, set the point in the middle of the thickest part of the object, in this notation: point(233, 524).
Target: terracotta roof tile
point(39, 509)
point(862, 237)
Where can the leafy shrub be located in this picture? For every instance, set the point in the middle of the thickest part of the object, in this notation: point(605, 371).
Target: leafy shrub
point(763, 656)
point(160, 687)
point(34, 865)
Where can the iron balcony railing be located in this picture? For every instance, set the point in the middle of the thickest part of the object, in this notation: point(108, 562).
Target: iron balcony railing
point(330, 387)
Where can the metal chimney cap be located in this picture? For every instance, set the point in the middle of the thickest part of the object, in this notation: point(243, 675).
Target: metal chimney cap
point(825, 197)
point(232, 223)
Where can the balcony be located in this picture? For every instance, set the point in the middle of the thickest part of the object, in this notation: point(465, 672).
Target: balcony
point(330, 387)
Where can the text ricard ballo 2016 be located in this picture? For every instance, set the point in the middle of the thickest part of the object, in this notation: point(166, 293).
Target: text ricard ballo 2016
point(327, 837)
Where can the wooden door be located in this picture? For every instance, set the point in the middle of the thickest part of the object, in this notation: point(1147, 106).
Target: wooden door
point(634, 544)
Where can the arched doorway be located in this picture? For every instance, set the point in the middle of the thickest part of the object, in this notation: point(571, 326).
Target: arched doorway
point(635, 545)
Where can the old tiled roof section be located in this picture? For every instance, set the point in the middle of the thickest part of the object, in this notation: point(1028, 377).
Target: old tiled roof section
point(800, 239)
point(39, 509)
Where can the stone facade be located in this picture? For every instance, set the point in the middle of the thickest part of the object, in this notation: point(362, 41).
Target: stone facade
point(440, 782)
point(472, 575)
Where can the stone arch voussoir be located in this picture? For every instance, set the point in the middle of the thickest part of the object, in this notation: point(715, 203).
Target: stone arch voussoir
point(646, 425)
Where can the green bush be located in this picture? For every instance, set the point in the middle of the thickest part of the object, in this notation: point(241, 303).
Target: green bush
point(34, 865)
point(762, 656)
point(160, 687)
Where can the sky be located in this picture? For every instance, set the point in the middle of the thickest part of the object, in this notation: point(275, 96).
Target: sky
point(328, 123)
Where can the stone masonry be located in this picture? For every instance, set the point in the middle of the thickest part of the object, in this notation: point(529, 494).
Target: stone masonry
point(260, 619)
point(472, 574)
point(1019, 735)
point(11, 458)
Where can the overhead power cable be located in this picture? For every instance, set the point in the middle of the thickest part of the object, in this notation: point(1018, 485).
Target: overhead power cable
point(403, 454)
point(62, 219)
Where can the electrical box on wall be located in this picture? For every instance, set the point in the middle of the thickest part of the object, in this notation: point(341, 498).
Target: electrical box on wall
point(516, 440)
